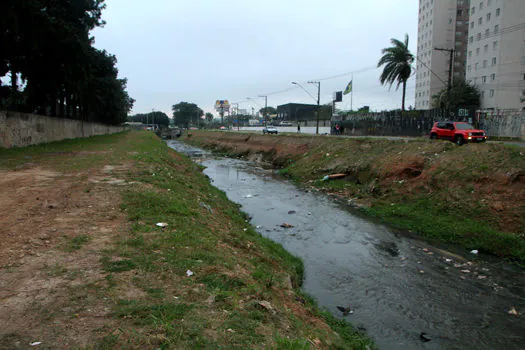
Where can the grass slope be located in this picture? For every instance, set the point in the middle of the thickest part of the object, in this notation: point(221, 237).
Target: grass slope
point(243, 291)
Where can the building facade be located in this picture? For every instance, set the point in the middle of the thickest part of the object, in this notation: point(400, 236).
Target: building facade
point(496, 52)
point(442, 24)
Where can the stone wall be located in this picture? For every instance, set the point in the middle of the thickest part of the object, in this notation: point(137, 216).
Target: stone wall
point(21, 129)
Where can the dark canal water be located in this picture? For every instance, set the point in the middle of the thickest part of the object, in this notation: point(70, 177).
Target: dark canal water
point(397, 287)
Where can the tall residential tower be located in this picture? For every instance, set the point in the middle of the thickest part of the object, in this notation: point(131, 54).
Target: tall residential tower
point(443, 24)
point(496, 52)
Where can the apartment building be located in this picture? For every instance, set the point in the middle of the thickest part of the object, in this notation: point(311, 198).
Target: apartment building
point(496, 52)
point(442, 24)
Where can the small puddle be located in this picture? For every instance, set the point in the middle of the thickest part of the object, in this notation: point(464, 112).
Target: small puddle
point(397, 287)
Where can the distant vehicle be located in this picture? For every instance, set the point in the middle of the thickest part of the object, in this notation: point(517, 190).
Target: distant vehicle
point(458, 132)
point(222, 128)
point(270, 130)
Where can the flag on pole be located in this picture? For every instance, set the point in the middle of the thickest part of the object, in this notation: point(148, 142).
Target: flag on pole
point(348, 88)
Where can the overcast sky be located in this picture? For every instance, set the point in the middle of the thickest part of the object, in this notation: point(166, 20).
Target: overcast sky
point(203, 50)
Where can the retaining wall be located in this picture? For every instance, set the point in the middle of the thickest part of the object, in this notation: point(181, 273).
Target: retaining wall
point(22, 129)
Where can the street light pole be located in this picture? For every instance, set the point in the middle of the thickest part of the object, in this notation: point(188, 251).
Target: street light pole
point(265, 115)
point(318, 83)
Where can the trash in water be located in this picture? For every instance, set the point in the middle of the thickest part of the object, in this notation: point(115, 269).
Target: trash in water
point(291, 211)
point(285, 225)
point(475, 251)
point(258, 226)
point(250, 195)
point(513, 312)
point(35, 343)
point(424, 337)
point(465, 271)
point(189, 273)
point(448, 260)
point(161, 224)
point(345, 310)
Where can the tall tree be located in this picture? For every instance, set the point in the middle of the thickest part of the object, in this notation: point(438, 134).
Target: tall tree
point(397, 60)
point(47, 51)
point(186, 113)
point(209, 117)
point(462, 95)
point(156, 117)
point(268, 111)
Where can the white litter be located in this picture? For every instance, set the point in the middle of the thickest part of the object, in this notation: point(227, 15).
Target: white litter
point(189, 273)
point(475, 251)
point(448, 260)
point(161, 224)
point(248, 196)
point(35, 343)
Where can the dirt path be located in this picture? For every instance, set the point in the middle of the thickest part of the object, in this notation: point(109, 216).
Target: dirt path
point(53, 229)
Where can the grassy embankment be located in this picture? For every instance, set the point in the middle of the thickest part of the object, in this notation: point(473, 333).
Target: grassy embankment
point(244, 288)
point(473, 195)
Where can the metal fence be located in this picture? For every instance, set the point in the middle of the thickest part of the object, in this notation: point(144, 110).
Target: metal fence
point(501, 123)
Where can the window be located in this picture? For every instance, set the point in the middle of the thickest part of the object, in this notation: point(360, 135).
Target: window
point(459, 13)
point(488, 17)
point(476, 66)
point(493, 61)
point(484, 79)
point(485, 48)
point(497, 12)
point(493, 76)
point(480, 20)
point(478, 37)
point(469, 54)
point(484, 63)
point(496, 29)
point(487, 33)
point(482, 94)
point(458, 33)
point(481, 6)
point(469, 68)
point(471, 24)
point(477, 51)
point(473, 10)
point(491, 92)
point(450, 21)
point(471, 39)
point(459, 23)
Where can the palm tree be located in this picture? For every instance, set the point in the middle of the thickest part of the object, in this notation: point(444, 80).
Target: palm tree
point(398, 65)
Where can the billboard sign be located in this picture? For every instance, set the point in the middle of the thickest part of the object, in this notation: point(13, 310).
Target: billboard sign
point(222, 105)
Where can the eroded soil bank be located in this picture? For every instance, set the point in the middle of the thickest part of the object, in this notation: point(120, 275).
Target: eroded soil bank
point(472, 195)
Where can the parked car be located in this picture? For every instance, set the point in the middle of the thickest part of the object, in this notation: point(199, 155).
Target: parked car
point(458, 132)
point(270, 130)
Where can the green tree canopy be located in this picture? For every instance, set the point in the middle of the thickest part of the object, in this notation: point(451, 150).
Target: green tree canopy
point(209, 117)
point(155, 117)
point(268, 110)
point(397, 61)
point(462, 95)
point(46, 51)
point(186, 113)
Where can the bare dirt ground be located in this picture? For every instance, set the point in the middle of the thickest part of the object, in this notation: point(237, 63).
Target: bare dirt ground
point(53, 230)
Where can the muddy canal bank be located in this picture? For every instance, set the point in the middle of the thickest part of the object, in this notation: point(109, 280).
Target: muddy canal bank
point(473, 195)
point(396, 287)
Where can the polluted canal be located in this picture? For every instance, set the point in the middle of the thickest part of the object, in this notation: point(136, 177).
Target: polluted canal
point(404, 293)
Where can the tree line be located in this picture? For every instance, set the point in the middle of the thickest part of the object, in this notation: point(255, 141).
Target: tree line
point(48, 64)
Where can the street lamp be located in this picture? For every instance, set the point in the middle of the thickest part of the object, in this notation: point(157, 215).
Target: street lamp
point(265, 115)
point(318, 83)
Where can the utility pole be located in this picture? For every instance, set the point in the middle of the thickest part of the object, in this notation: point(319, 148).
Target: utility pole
point(265, 115)
point(318, 83)
point(449, 83)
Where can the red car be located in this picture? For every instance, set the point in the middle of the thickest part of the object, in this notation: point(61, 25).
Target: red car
point(458, 132)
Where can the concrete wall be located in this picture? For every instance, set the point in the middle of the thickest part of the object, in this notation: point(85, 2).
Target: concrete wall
point(21, 129)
